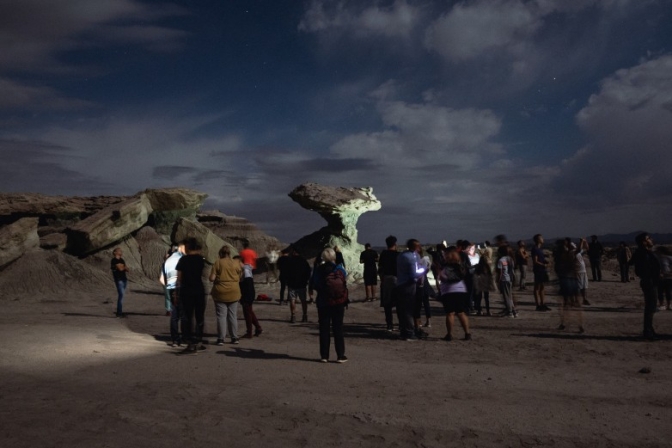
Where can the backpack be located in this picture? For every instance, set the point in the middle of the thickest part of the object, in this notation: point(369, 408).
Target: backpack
point(335, 288)
point(453, 273)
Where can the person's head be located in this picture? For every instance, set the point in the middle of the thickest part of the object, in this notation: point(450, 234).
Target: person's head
point(337, 249)
point(292, 251)
point(413, 245)
point(117, 252)
point(486, 244)
point(328, 255)
point(191, 245)
point(465, 244)
point(391, 241)
point(367, 246)
point(503, 251)
point(451, 255)
point(521, 243)
point(225, 252)
point(538, 239)
point(500, 240)
point(593, 237)
point(644, 240)
point(246, 243)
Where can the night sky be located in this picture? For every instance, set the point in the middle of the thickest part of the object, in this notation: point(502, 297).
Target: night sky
point(467, 118)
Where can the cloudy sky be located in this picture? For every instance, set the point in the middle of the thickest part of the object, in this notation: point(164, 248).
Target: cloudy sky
point(468, 118)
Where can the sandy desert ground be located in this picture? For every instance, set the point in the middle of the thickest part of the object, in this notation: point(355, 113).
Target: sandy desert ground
point(75, 376)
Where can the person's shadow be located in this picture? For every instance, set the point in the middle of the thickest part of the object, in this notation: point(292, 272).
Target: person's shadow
point(252, 353)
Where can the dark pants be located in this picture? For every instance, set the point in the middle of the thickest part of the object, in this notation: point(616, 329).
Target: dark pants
point(405, 307)
point(175, 316)
point(331, 318)
point(650, 290)
point(482, 295)
point(427, 292)
point(625, 272)
point(250, 319)
point(283, 286)
point(193, 308)
point(665, 291)
point(596, 269)
point(389, 316)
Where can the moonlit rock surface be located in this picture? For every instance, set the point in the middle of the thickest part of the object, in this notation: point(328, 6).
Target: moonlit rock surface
point(17, 239)
point(341, 207)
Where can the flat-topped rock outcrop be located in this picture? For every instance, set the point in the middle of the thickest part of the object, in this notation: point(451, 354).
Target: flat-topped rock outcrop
point(341, 207)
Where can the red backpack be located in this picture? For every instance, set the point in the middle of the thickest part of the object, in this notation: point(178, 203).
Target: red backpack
point(335, 288)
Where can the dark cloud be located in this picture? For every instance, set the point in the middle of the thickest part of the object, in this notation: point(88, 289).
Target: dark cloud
point(171, 172)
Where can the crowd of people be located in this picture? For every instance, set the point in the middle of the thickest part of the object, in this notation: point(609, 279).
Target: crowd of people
point(464, 276)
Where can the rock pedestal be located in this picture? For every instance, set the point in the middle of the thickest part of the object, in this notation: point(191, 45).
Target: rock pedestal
point(18, 238)
point(341, 208)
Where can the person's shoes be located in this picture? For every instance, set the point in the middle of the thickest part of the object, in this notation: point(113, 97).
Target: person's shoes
point(467, 337)
point(342, 359)
point(367, 299)
point(258, 332)
point(545, 308)
point(511, 315)
point(515, 313)
point(479, 313)
point(390, 329)
point(488, 313)
point(168, 313)
point(279, 302)
point(324, 360)
point(304, 318)
point(189, 350)
point(248, 336)
point(661, 308)
point(120, 314)
point(561, 327)
point(539, 308)
point(235, 341)
point(447, 337)
point(427, 325)
point(201, 347)
point(292, 319)
point(311, 301)
point(174, 344)
point(220, 342)
point(587, 303)
point(421, 334)
point(410, 338)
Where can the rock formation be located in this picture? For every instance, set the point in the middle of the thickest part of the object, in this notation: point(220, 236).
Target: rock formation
point(341, 208)
point(108, 225)
point(210, 242)
point(17, 239)
point(234, 230)
point(168, 204)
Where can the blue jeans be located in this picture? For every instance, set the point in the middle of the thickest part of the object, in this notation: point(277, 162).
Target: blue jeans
point(121, 287)
point(167, 301)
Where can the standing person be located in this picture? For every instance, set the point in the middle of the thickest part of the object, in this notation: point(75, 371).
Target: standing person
point(647, 268)
point(272, 256)
point(521, 264)
point(483, 281)
point(191, 295)
point(226, 275)
point(162, 279)
point(463, 250)
point(540, 271)
point(387, 270)
point(565, 267)
point(624, 255)
point(409, 272)
point(595, 252)
point(665, 288)
point(119, 270)
point(369, 258)
point(282, 261)
point(248, 255)
point(581, 273)
point(505, 275)
point(297, 275)
point(427, 291)
point(247, 295)
point(169, 280)
point(454, 294)
point(332, 299)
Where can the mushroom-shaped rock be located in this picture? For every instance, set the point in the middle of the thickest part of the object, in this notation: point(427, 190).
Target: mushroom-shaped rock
point(341, 207)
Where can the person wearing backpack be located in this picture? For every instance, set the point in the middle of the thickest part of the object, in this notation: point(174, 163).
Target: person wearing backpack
point(332, 299)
